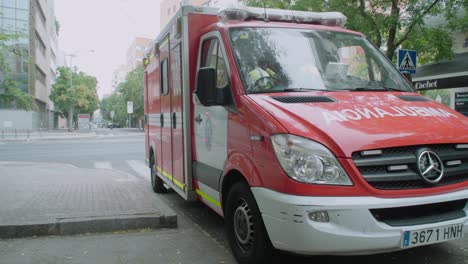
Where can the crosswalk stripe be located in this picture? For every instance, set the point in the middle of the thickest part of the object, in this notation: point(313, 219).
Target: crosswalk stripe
point(102, 165)
point(140, 168)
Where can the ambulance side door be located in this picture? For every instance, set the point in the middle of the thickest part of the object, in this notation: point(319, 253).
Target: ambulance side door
point(210, 125)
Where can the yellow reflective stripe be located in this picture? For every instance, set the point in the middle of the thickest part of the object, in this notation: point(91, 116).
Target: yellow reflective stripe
point(255, 75)
point(170, 177)
point(208, 198)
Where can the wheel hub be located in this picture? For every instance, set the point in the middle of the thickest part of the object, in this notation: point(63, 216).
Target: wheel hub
point(243, 225)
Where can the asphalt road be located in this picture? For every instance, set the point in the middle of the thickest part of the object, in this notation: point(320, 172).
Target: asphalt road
point(125, 152)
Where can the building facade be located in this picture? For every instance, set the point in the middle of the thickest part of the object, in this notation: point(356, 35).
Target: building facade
point(446, 81)
point(135, 53)
point(168, 8)
point(134, 57)
point(31, 57)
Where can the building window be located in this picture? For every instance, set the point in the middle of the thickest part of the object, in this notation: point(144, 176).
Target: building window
point(22, 4)
point(22, 14)
point(466, 43)
point(169, 11)
point(40, 44)
point(174, 8)
point(40, 76)
point(8, 12)
point(9, 3)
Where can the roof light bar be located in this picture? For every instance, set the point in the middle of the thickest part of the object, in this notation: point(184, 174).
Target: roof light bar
point(247, 13)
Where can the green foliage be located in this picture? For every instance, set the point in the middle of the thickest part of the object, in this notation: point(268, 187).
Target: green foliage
point(444, 95)
point(115, 103)
point(82, 94)
point(392, 23)
point(10, 95)
point(131, 89)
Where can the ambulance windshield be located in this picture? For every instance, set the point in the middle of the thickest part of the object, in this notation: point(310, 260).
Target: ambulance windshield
point(279, 59)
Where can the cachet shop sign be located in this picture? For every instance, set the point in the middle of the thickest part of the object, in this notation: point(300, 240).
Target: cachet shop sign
point(442, 83)
point(426, 85)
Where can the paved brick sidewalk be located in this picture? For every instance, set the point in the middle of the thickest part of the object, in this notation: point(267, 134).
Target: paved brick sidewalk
point(55, 199)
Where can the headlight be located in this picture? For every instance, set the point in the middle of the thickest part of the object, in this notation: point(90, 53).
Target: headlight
point(307, 161)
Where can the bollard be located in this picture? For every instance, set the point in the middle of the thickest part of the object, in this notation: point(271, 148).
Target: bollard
point(16, 133)
point(3, 134)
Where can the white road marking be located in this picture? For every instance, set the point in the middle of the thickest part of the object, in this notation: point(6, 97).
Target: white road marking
point(102, 165)
point(140, 168)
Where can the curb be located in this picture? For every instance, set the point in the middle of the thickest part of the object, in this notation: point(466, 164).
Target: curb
point(82, 225)
point(48, 138)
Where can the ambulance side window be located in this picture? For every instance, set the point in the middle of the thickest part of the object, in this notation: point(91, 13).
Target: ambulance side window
point(165, 88)
point(212, 56)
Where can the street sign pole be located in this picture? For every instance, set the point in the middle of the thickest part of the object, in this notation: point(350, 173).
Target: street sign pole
point(112, 119)
point(130, 112)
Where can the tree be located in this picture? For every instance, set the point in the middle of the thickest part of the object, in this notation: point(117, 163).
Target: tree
point(392, 23)
point(115, 103)
point(82, 96)
point(10, 95)
point(131, 89)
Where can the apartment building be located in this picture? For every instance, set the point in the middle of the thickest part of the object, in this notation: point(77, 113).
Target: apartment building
point(134, 57)
point(32, 56)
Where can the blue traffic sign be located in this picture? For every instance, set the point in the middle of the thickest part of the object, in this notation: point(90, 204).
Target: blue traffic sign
point(407, 61)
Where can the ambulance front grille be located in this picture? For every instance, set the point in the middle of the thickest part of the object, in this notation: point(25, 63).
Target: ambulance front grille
point(396, 168)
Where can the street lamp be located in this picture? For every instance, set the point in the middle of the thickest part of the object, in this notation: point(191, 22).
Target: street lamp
point(72, 106)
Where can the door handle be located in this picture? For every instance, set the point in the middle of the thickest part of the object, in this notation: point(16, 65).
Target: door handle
point(198, 119)
point(174, 120)
point(162, 120)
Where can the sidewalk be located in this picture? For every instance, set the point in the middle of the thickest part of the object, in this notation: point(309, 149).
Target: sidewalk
point(58, 199)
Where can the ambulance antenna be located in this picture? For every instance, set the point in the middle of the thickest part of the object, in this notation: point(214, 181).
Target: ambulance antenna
point(265, 10)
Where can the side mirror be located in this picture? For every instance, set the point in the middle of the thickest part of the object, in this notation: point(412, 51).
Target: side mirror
point(408, 76)
point(207, 92)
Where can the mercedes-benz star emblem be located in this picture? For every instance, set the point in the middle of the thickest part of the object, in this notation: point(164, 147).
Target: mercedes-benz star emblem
point(430, 166)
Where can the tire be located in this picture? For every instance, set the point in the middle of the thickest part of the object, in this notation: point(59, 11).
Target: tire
point(157, 183)
point(246, 232)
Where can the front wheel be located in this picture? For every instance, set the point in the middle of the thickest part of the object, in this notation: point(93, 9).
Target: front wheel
point(157, 183)
point(246, 232)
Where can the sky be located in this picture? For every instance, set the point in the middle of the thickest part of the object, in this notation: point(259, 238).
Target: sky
point(107, 27)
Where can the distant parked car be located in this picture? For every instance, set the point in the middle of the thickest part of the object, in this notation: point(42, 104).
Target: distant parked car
point(112, 125)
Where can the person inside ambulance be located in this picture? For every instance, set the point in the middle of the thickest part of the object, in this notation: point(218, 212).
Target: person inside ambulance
point(260, 79)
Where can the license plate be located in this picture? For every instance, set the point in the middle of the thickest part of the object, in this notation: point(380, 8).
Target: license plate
point(414, 238)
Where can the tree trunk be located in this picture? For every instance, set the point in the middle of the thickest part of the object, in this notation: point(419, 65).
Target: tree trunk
point(395, 15)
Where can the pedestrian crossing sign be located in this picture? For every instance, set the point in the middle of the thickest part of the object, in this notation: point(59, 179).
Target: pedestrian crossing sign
point(407, 61)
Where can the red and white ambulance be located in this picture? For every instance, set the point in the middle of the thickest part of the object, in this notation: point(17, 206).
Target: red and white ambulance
point(301, 134)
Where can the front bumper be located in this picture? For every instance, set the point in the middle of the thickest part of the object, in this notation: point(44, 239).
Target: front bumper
point(352, 229)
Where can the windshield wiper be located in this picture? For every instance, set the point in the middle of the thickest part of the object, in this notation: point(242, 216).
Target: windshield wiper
point(286, 90)
point(374, 88)
point(302, 90)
